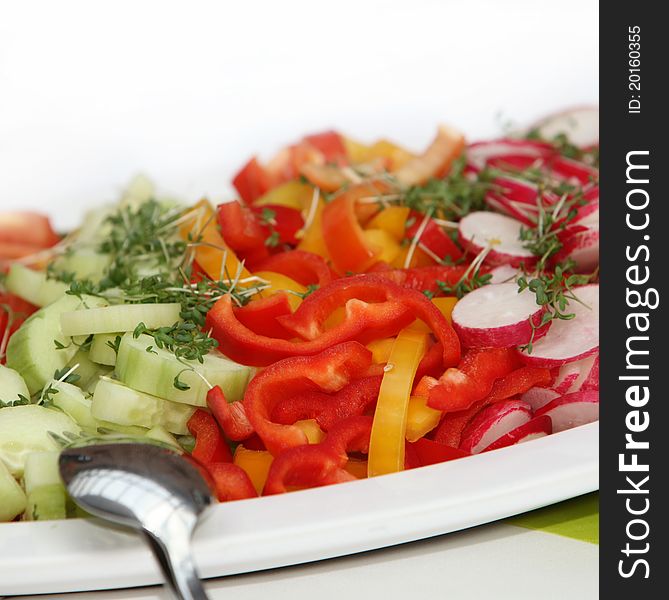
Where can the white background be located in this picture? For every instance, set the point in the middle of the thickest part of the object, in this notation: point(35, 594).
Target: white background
point(93, 92)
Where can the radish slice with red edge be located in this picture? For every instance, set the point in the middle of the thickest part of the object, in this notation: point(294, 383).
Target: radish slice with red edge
point(536, 428)
point(580, 243)
point(492, 423)
point(504, 274)
point(497, 316)
point(569, 340)
point(509, 208)
point(480, 229)
point(572, 410)
point(480, 154)
point(572, 376)
point(537, 397)
point(581, 124)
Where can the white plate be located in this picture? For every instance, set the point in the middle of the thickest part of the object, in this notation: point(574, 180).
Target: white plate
point(250, 535)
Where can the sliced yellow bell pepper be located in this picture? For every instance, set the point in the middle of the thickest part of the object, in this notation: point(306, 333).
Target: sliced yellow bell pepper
point(357, 152)
point(393, 220)
point(381, 349)
point(445, 305)
point(421, 419)
point(385, 246)
point(419, 259)
point(357, 468)
point(256, 464)
point(312, 238)
point(213, 251)
point(280, 282)
point(386, 446)
point(312, 430)
point(293, 194)
point(397, 155)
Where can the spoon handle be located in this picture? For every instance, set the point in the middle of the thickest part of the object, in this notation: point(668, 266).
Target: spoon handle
point(176, 563)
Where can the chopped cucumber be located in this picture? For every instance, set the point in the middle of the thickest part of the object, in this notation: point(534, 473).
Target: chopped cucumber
point(46, 495)
point(74, 403)
point(12, 385)
point(117, 403)
point(140, 189)
point(25, 429)
point(12, 496)
point(160, 434)
point(85, 263)
point(88, 371)
point(33, 286)
point(34, 351)
point(41, 469)
point(122, 317)
point(155, 371)
point(101, 352)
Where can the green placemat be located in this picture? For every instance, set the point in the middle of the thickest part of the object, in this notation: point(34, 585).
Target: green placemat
point(577, 518)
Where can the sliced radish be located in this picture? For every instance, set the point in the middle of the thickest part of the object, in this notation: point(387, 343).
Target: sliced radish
point(538, 397)
point(573, 170)
point(497, 316)
point(572, 410)
point(480, 229)
point(580, 243)
point(504, 274)
point(507, 207)
point(581, 124)
point(591, 382)
point(513, 151)
point(533, 429)
point(572, 376)
point(573, 339)
point(492, 423)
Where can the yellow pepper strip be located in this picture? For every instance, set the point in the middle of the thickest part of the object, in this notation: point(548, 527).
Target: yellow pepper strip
point(256, 464)
point(386, 446)
point(397, 156)
point(357, 152)
point(381, 349)
point(293, 194)
point(393, 220)
point(311, 429)
point(419, 259)
point(385, 246)
point(445, 305)
point(312, 238)
point(357, 468)
point(279, 283)
point(214, 251)
point(421, 419)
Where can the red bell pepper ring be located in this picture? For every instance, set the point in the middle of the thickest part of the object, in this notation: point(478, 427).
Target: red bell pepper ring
point(308, 321)
point(305, 466)
point(432, 364)
point(231, 482)
point(350, 435)
point(519, 381)
point(241, 230)
point(328, 371)
point(261, 315)
point(304, 267)
point(429, 452)
point(252, 181)
point(411, 459)
point(426, 278)
point(434, 238)
point(286, 221)
point(231, 417)
point(363, 322)
point(210, 446)
point(331, 145)
point(458, 388)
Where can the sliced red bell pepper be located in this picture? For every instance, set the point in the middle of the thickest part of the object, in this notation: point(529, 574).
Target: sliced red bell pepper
point(411, 459)
point(283, 220)
point(458, 388)
point(328, 371)
point(350, 435)
point(305, 466)
point(519, 381)
point(434, 238)
point(426, 278)
point(260, 316)
point(430, 452)
point(432, 364)
point(252, 181)
point(241, 230)
point(230, 416)
point(231, 482)
point(210, 446)
point(304, 267)
point(449, 431)
point(331, 145)
point(30, 229)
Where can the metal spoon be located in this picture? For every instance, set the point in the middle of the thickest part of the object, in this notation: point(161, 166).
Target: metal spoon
point(147, 488)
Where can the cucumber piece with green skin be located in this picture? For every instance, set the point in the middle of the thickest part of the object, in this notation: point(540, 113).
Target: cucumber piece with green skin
point(24, 429)
point(45, 492)
point(33, 286)
point(84, 263)
point(12, 497)
point(74, 403)
point(122, 317)
point(41, 469)
point(154, 372)
point(87, 370)
point(117, 403)
point(32, 351)
point(101, 352)
point(12, 385)
point(160, 434)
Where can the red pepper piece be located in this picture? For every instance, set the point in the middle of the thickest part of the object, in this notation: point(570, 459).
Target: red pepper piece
point(457, 389)
point(308, 321)
point(432, 364)
point(350, 435)
point(252, 181)
point(449, 431)
point(363, 322)
point(331, 145)
point(261, 315)
point(305, 466)
point(304, 267)
point(519, 381)
point(230, 482)
point(411, 459)
point(210, 446)
point(286, 221)
point(431, 452)
point(328, 371)
point(230, 416)
point(434, 238)
point(241, 230)
point(425, 278)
